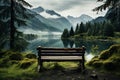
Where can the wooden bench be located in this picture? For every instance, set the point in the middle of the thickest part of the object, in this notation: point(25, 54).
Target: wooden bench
point(60, 54)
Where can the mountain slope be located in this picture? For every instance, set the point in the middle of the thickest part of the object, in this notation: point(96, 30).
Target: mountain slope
point(52, 18)
point(75, 20)
point(98, 19)
point(37, 24)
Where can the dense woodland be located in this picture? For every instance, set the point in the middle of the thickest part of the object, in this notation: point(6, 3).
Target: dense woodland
point(105, 28)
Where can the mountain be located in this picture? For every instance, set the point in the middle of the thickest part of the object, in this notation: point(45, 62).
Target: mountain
point(52, 18)
point(38, 9)
point(37, 23)
point(51, 12)
point(98, 19)
point(75, 20)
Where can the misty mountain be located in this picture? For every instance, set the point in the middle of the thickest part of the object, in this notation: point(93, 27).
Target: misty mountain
point(38, 9)
point(52, 18)
point(37, 23)
point(51, 12)
point(83, 18)
point(98, 19)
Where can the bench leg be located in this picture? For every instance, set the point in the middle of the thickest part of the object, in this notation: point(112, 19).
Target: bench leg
point(83, 67)
point(40, 65)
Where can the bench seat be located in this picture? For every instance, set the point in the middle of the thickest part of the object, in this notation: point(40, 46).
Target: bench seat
point(61, 58)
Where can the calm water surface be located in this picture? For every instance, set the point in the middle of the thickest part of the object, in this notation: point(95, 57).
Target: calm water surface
point(92, 47)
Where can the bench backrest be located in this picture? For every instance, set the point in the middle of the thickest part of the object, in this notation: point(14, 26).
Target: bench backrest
point(60, 51)
point(60, 54)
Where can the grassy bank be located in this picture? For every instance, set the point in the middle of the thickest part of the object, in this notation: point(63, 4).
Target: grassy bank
point(16, 65)
point(23, 66)
point(84, 36)
point(108, 60)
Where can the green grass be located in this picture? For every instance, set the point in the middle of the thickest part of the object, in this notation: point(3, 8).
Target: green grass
point(108, 60)
point(23, 66)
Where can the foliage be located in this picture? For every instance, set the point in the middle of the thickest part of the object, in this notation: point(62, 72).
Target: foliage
point(103, 29)
point(71, 32)
point(113, 11)
point(108, 59)
point(65, 34)
point(31, 56)
point(13, 18)
point(107, 4)
point(15, 56)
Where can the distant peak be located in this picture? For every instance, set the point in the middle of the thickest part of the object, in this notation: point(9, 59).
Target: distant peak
point(52, 12)
point(85, 15)
point(38, 9)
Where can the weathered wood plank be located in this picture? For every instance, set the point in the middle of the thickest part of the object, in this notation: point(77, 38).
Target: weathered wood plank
point(61, 57)
point(61, 54)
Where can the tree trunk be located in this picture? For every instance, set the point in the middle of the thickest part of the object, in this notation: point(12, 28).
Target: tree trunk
point(12, 27)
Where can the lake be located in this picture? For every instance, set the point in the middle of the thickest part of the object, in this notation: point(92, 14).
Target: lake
point(93, 47)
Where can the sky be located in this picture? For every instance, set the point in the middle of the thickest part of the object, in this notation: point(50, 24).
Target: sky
point(69, 7)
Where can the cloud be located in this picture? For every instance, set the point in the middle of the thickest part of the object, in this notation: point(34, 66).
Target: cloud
point(68, 7)
point(59, 5)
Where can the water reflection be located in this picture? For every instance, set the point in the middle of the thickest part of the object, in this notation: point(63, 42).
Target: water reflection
point(93, 47)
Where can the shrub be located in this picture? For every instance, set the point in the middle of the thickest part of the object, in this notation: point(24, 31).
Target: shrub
point(97, 64)
point(105, 55)
point(57, 67)
point(31, 56)
point(114, 49)
point(25, 65)
point(16, 56)
point(4, 62)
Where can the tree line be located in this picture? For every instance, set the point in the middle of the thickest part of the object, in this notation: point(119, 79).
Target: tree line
point(105, 28)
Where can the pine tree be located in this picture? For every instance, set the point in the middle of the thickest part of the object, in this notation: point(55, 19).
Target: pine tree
point(71, 32)
point(76, 30)
point(108, 29)
point(14, 12)
point(113, 12)
point(65, 34)
point(108, 4)
point(81, 28)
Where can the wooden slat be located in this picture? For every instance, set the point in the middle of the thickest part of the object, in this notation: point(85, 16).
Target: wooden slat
point(61, 51)
point(61, 54)
point(59, 48)
point(61, 58)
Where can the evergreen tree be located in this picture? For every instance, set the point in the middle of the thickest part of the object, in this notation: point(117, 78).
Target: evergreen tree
point(14, 12)
point(108, 29)
point(113, 12)
point(81, 28)
point(107, 4)
point(89, 29)
point(77, 29)
point(3, 34)
point(71, 32)
point(65, 34)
